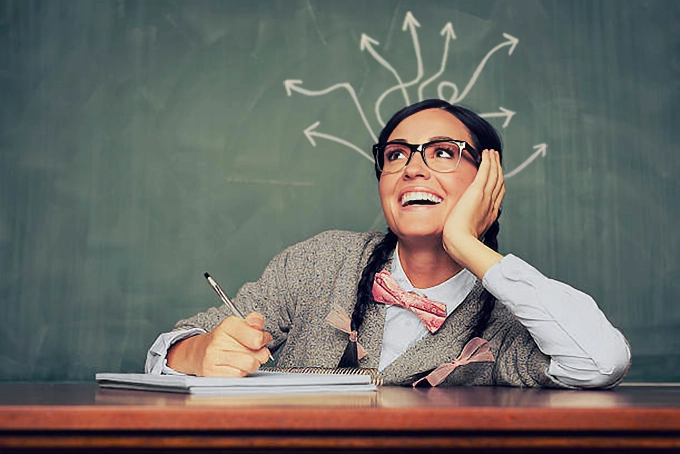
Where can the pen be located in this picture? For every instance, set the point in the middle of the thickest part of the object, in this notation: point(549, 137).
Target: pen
point(225, 299)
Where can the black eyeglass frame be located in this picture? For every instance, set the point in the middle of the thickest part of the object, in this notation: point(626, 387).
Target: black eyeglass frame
point(379, 150)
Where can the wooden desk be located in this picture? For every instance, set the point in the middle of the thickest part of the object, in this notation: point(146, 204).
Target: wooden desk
point(66, 416)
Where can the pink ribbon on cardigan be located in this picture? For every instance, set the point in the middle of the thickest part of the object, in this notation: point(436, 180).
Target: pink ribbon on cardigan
point(339, 319)
point(387, 291)
point(476, 350)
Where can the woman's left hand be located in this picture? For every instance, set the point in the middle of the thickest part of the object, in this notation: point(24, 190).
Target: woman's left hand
point(477, 208)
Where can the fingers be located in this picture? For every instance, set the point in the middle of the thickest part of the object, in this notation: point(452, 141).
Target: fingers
point(256, 320)
point(229, 364)
point(237, 347)
point(491, 161)
point(498, 191)
point(482, 177)
point(249, 332)
point(490, 175)
point(490, 157)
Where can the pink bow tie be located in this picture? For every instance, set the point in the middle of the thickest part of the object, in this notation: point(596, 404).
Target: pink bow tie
point(387, 291)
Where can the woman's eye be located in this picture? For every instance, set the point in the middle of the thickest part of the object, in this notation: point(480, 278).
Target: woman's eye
point(445, 153)
point(395, 154)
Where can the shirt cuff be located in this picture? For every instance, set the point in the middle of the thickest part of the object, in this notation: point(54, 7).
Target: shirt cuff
point(156, 358)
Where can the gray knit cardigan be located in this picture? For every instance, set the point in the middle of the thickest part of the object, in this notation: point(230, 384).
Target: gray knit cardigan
point(302, 283)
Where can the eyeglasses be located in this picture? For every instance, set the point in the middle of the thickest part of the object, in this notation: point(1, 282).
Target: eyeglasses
point(439, 155)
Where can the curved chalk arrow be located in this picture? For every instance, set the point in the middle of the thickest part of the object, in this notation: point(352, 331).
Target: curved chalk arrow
point(440, 91)
point(449, 35)
point(292, 85)
point(540, 150)
point(511, 41)
point(311, 133)
point(508, 114)
point(411, 23)
point(367, 43)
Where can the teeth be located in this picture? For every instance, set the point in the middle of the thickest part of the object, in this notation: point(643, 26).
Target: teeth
point(419, 196)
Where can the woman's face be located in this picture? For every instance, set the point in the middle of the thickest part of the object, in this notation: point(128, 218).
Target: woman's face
point(412, 220)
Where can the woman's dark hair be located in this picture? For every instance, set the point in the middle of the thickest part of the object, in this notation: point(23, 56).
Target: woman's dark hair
point(483, 136)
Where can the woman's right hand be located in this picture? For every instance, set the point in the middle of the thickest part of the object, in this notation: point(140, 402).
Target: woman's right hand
point(235, 348)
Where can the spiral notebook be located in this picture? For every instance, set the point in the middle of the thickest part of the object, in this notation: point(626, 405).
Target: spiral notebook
point(263, 382)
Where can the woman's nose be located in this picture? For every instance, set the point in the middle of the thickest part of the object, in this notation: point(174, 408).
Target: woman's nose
point(416, 167)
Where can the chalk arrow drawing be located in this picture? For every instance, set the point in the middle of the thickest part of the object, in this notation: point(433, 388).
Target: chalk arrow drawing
point(367, 43)
point(540, 150)
point(511, 41)
point(410, 23)
point(508, 114)
point(292, 85)
point(448, 34)
point(440, 91)
point(311, 133)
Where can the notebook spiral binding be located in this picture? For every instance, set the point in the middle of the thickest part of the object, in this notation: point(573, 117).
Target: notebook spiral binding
point(376, 379)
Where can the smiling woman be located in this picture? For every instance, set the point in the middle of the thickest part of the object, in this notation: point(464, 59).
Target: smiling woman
point(431, 299)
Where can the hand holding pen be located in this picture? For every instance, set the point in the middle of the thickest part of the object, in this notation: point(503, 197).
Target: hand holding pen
point(235, 348)
point(227, 302)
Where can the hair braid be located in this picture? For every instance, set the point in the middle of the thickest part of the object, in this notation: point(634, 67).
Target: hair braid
point(481, 320)
point(379, 257)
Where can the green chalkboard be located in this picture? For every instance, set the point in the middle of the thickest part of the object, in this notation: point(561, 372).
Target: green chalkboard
point(143, 143)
